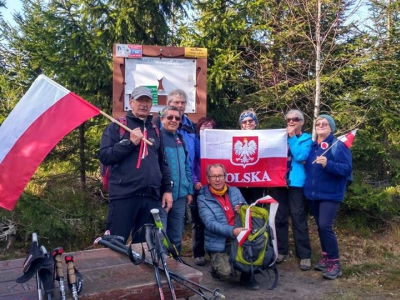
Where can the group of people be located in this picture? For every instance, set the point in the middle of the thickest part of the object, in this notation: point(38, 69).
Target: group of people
point(157, 165)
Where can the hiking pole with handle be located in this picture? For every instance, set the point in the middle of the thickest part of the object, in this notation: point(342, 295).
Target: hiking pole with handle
point(71, 276)
point(158, 248)
point(117, 246)
point(38, 284)
point(57, 253)
point(166, 242)
point(153, 254)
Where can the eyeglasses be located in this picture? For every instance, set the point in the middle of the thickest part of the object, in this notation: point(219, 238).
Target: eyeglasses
point(250, 121)
point(322, 124)
point(214, 177)
point(296, 119)
point(170, 118)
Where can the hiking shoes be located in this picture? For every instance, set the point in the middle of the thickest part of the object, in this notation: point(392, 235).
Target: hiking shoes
point(332, 270)
point(248, 282)
point(200, 261)
point(305, 264)
point(215, 275)
point(321, 265)
point(281, 258)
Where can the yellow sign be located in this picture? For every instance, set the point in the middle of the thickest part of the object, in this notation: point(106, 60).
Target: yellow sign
point(196, 52)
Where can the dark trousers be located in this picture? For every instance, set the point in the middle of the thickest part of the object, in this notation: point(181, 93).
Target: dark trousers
point(325, 213)
point(197, 230)
point(291, 203)
point(252, 194)
point(129, 215)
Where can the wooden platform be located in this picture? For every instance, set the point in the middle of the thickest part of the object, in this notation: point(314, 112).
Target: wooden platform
point(106, 275)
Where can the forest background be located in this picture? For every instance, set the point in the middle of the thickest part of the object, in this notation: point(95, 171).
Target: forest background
point(271, 56)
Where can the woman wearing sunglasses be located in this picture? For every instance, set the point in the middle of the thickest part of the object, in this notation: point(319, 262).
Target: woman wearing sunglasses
point(291, 198)
point(327, 168)
point(178, 162)
point(248, 121)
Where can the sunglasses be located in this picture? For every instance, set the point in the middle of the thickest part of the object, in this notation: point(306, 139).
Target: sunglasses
point(296, 119)
point(251, 121)
point(323, 124)
point(170, 118)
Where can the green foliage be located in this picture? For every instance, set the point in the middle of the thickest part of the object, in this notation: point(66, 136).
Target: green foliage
point(61, 212)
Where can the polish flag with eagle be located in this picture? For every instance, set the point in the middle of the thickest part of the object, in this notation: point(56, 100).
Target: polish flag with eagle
point(252, 158)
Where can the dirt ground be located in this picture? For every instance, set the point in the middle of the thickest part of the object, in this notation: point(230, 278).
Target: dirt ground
point(293, 284)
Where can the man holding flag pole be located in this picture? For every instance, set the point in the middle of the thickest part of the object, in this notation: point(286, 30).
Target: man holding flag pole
point(140, 179)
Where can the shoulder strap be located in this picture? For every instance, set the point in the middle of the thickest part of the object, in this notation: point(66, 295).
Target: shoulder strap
point(180, 136)
point(155, 128)
point(122, 130)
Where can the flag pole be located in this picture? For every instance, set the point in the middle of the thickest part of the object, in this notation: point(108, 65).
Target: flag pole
point(323, 153)
point(123, 126)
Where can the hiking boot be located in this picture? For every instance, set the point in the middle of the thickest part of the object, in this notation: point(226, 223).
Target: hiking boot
point(321, 265)
point(200, 261)
point(281, 258)
point(332, 270)
point(305, 264)
point(248, 282)
point(215, 275)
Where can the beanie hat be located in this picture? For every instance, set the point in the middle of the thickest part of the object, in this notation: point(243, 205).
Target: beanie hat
point(247, 114)
point(330, 121)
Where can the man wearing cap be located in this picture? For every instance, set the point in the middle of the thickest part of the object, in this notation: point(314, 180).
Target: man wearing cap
point(140, 179)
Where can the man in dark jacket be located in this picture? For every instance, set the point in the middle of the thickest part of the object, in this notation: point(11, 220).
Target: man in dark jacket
point(139, 175)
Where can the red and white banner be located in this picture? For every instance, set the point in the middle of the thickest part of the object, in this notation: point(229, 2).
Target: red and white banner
point(348, 138)
point(252, 158)
point(43, 116)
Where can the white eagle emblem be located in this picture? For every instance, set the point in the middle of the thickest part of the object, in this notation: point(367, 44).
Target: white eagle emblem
point(245, 151)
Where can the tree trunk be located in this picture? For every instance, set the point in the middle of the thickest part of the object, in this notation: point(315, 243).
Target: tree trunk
point(82, 168)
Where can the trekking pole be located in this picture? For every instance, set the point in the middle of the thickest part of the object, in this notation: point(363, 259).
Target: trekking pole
point(152, 251)
point(46, 282)
point(57, 253)
point(168, 245)
point(158, 248)
point(117, 246)
point(38, 283)
point(69, 259)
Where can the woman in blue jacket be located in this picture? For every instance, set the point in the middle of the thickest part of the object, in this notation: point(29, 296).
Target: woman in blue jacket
point(325, 186)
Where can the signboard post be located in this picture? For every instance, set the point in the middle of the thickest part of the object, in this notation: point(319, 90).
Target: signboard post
point(162, 69)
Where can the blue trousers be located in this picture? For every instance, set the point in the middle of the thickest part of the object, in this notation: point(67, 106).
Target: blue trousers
point(174, 222)
point(325, 213)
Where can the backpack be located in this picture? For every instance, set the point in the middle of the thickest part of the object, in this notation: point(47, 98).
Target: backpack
point(105, 170)
point(349, 178)
point(255, 250)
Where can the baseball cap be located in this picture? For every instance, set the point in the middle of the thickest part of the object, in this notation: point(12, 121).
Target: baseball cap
point(141, 91)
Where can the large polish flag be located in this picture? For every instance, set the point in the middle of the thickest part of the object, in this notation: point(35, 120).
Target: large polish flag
point(252, 158)
point(44, 115)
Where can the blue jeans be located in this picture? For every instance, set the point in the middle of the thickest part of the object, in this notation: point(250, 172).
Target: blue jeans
point(174, 222)
point(324, 213)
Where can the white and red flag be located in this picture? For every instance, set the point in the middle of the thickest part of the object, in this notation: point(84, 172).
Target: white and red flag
point(348, 138)
point(43, 116)
point(252, 158)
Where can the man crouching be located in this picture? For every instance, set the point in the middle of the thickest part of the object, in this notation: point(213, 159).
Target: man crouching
point(218, 205)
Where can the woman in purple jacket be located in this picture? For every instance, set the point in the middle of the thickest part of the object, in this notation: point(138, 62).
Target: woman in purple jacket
point(325, 186)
